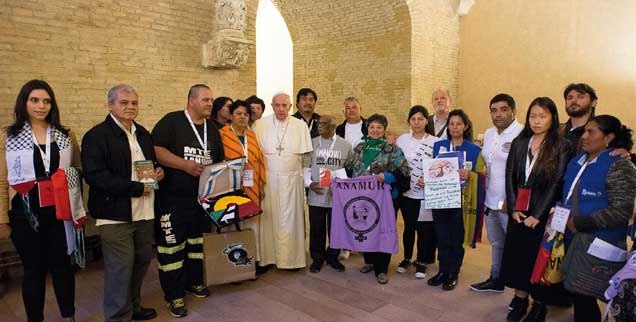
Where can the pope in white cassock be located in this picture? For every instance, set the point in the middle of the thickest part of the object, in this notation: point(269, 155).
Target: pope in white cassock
point(286, 144)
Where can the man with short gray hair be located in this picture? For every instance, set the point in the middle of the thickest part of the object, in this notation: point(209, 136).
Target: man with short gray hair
point(123, 205)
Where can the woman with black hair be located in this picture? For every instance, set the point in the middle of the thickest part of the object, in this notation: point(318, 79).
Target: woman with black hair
point(599, 191)
point(417, 145)
point(534, 177)
point(455, 227)
point(221, 111)
point(32, 149)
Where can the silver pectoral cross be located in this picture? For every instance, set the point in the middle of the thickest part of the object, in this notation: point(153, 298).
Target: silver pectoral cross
point(280, 149)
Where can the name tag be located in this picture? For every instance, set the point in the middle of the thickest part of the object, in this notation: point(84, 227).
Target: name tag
point(560, 218)
point(45, 193)
point(248, 178)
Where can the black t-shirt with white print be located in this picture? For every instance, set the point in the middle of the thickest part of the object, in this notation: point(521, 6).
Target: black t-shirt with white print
point(174, 133)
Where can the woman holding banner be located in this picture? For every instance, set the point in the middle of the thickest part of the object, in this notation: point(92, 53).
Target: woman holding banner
point(374, 156)
point(534, 172)
point(455, 227)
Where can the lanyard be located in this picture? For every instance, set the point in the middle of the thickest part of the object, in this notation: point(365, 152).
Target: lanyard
point(530, 165)
point(576, 180)
point(46, 155)
point(332, 143)
point(245, 145)
point(204, 142)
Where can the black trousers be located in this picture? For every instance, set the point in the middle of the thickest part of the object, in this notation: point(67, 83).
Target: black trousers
point(44, 251)
point(319, 228)
point(449, 229)
point(426, 240)
point(380, 260)
point(180, 249)
point(586, 308)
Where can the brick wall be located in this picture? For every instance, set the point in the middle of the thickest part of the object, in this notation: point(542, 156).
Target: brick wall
point(352, 48)
point(434, 49)
point(84, 47)
point(389, 54)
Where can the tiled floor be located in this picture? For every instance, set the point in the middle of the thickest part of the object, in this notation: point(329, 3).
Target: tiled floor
point(328, 296)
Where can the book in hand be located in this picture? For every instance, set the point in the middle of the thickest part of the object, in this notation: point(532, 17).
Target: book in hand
point(146, 173)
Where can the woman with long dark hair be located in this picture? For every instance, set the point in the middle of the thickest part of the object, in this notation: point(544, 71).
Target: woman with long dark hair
point(34, 147)
point(534, 177)
point(221, 111)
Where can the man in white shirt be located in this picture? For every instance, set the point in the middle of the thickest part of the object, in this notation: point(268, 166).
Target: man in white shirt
point(497, 142)
point(355, 126)
point(441, 102)
point(123, 205)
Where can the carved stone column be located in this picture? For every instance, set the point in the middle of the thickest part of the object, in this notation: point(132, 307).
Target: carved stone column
point(229, 48)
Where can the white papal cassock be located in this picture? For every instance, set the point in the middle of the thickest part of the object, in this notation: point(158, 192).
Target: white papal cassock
point(282, 224)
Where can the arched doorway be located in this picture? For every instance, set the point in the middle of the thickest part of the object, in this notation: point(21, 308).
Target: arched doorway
point(274, 54)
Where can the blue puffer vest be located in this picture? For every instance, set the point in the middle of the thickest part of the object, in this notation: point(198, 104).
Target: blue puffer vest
point(591, 190)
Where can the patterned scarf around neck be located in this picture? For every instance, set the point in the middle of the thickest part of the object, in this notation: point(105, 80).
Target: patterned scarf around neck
point(372, 148)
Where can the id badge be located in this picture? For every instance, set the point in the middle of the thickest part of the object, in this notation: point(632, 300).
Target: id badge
point(248, 178)
point(45, 193)
point(560, 218)
point(325, 177)
point(523, 199)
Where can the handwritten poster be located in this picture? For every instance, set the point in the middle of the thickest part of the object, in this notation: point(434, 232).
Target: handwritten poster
point(442, 186)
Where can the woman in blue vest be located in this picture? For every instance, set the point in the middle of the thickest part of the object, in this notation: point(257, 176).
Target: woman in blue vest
point(599, 189)
point(449, 223)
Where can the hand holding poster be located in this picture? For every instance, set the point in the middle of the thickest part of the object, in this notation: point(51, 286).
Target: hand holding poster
point(442, 189)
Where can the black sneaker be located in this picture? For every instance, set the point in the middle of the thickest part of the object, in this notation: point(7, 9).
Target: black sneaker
point(335, 264)
point(177, 308)
point(315, 267)
point(537, 313)
point(366, 268)
point(420, 270)
point(518, 308)
point(198, 291)
point(403, 267)
point(450, 282)
point(489, 285)
point(438, 279)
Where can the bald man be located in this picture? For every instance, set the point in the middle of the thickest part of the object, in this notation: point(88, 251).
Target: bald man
point(286, 144)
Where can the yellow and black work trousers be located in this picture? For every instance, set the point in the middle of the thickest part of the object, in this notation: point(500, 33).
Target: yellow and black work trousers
point(180, 249)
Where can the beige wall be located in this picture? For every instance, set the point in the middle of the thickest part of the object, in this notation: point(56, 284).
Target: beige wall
point(83, 47)
point(352, 48)
point(434, 49)
point(536, 48)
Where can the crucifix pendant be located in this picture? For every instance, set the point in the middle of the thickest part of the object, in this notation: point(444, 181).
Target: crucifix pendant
point(280, 149)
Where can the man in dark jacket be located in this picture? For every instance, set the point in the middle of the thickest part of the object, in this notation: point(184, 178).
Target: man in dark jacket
point(121, 203)
point(354, 126)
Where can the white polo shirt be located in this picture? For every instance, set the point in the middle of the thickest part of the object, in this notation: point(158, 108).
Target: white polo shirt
point(495, 152)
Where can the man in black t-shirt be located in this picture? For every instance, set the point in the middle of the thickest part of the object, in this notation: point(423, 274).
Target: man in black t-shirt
point(185, 142)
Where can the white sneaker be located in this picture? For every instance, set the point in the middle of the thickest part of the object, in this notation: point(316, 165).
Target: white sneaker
point(344, 254)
